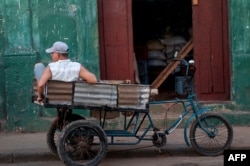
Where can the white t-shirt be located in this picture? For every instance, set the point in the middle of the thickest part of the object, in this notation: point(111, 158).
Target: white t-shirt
point(65, 70)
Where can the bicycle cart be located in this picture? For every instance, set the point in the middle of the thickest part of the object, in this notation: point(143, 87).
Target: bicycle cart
point(84, 141)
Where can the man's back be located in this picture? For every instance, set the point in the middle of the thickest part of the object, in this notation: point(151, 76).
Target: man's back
point(65, 70)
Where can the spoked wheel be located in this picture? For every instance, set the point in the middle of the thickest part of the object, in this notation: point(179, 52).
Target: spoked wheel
point(82, 143)
point(54, 132)
point(215, 137)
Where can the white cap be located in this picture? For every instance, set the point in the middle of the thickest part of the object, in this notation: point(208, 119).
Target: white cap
point(59, 47)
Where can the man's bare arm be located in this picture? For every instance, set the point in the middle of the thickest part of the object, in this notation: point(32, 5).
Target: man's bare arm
point(87, 75)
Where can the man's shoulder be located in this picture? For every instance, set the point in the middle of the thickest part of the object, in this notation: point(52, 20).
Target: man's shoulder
point(75, 63)
point(63, 62)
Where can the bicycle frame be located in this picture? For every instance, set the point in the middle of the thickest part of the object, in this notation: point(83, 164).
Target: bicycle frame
point(139, 118)
point(188, 104)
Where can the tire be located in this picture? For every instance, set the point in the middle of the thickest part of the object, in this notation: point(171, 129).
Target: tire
point(53, 134)
point(215, 144)
point(82, 143)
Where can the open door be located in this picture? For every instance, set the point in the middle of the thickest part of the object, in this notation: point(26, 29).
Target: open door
point(116, 43)
point(210, 35)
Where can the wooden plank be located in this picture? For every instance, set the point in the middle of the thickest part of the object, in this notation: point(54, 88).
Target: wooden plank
point(171, 66)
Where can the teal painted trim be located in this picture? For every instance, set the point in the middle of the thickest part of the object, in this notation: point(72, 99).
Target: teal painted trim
point(2, 74)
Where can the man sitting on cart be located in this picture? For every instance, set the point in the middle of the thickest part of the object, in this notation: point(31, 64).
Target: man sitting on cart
point(61, 69)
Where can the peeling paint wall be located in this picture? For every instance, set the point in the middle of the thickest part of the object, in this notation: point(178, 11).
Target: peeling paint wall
point(2, 95)
point(27, 28)
point(240, 51)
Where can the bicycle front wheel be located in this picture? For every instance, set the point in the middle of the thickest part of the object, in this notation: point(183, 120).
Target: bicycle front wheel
point(212, 135)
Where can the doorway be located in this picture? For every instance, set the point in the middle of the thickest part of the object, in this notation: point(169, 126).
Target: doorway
point(139, 26)
point(160, 29)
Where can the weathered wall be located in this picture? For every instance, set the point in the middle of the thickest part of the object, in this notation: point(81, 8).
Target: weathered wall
point(2, 110)
point(27, 28)
point(240, 51)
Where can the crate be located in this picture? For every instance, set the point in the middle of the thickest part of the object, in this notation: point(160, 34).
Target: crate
point(59, 93)
point(102, 94)
point(133, 96)
point(109, 96)
point(99, 94)
point(180, 86)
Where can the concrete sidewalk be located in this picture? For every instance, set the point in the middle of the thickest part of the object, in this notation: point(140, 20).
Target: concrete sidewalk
point(21, 147)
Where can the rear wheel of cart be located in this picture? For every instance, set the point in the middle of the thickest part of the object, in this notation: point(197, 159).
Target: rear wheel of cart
point(54, 132)
point(82, 143)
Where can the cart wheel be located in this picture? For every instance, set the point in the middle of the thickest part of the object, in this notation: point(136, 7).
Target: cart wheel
point(82, 143)
point(216, 136)
point(159, 140)
point(53, 134)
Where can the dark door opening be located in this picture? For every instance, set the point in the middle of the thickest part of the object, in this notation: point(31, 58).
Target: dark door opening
point(160, 28)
